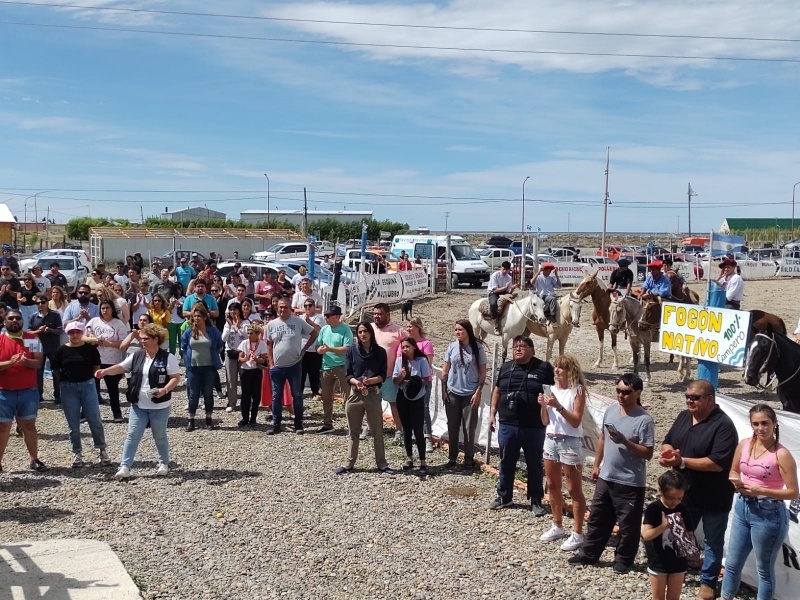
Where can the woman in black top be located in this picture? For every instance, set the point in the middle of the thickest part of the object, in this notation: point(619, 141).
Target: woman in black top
point(366, 372)
point(25, 297)
point(77, 362)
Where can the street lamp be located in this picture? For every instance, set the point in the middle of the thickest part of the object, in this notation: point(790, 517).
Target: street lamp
point(523, 249)
point(793, 189)
point(267, 176)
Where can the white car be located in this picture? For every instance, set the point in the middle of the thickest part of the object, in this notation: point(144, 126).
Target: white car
point(69, 266)
point(27, 263)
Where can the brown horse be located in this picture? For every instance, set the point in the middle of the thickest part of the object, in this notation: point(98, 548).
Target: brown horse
point(764, 322)
point(593, 287)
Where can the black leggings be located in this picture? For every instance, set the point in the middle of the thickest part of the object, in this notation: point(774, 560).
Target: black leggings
point(112, 385)
point(251, 393)
point(412, 416)
point(311, 365)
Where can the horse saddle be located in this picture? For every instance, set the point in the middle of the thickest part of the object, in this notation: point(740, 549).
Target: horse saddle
point(502, 304)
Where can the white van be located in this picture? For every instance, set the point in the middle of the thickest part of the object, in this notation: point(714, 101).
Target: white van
point(466, 266)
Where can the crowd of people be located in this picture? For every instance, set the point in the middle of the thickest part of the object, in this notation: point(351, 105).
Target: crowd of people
point(272, 336)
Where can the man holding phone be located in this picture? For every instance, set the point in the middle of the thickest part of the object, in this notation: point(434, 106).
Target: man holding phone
point(620, 469)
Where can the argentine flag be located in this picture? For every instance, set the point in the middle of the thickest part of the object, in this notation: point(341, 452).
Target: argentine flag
point(725, 244)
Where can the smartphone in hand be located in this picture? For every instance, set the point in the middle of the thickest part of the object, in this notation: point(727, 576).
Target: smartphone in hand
point(610, 427)
point(547, 390)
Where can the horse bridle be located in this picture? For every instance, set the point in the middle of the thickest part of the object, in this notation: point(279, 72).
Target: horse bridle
point(773, 345)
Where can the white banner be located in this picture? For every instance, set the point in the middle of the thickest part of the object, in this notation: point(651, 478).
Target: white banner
point(415, 283)
point(571, 273)
point(751, 269)
point(704, 333)
point(789, 267)
point(389, 287)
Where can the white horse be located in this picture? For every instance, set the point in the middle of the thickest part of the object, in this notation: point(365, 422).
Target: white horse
point(569, 316)
point(520, 316)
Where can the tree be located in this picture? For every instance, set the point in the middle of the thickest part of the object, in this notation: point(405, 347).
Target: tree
point(78, 229)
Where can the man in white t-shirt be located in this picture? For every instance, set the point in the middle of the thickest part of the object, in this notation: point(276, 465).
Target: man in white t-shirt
point(284, 337)
point(499, 283)
point(305, 292)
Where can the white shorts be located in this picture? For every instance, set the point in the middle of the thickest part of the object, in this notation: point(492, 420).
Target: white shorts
point(567, 450)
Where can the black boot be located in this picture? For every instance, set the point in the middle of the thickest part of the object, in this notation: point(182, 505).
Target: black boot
point(209, 423)
point(298, 426)
point(190, 425)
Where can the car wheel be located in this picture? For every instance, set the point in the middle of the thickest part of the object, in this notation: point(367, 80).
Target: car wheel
point(454, 281)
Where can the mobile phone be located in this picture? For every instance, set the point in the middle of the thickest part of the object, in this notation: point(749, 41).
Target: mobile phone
point(546, 390)
point(610, 427)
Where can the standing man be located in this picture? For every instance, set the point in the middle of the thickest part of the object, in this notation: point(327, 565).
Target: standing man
point(20, 357)
point(46, 324)
point(42, 282)
point(334, 339)
point(302, 273)
point(184, 273)
point(545, 282)
point(264, 290)
point(620, 470)
point(622, 277)
point(9, 259)
point(56, 277)
point(305, 292)
point(701, 444)
point(404, 264)
point(732, 282)
point(120, 276)
point(284, 337)
point(81, 309)
point(9, 286)
point(163, 286)
point(388, 336)
point(200, 295)
point(515, 400)
point(499, 283)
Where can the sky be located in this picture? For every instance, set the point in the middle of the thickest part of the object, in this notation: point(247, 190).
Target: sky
point(438, 114)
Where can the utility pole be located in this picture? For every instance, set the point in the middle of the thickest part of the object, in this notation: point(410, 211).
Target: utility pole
point(690, 193)
point(141, 211)
point(305, 212)
point(605, 205)
point(268, 223)
point(446, 217)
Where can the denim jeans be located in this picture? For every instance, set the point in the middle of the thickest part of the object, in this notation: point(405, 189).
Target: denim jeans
point(201, 383)
point(79, 396)
point(529, 440)
point(714, 525)
point(760, 525)
point(279, 377)
point(137, 423)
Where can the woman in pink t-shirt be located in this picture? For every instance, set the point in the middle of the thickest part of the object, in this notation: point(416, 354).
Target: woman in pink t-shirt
point(765, 476)
point(416, 330)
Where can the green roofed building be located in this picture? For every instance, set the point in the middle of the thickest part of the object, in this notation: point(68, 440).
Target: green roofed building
point(743, 226)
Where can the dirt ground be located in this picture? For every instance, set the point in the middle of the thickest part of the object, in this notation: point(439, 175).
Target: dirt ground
point(664, 392)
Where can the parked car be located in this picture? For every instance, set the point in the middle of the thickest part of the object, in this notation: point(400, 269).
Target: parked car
point(499, 241)
point(282, 251)
point(167, 260)
point(614, 251)
point(26, 264)
point(70, 266)
point(494, 257)
point(765, 254)
point(681, 263)
point(516, 246)
point(564, 253)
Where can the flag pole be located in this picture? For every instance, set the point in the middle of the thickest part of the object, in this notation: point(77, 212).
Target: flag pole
point(710, 257)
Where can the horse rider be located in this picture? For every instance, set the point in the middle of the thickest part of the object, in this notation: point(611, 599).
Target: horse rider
point(499, 283)
point(656, 288)
point(545, 282)
point(732, 282)
point(621, 277)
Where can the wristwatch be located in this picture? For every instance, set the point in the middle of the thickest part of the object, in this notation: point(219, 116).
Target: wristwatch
point(683, 464)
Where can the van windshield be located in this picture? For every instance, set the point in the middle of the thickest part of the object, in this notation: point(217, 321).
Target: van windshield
point(463, 252)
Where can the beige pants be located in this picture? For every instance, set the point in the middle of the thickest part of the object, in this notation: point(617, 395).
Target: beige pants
point(329, 379)
point(355, 408)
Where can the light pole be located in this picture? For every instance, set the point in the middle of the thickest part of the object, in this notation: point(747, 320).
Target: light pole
point(523, 249)
point(267, 176)
point(690, 193)
point(605, 205)
point(446, 217)
point(793, 189)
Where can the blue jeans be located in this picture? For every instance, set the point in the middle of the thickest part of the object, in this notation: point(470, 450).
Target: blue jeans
point(279, 376)
point(200, 381)
point(714, 525)
point(82, 396)
point(760, 525)
point(529, 440)
point(137, 423)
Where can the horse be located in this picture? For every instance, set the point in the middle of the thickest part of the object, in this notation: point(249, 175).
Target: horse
point(518, 318)
point(764, 322)
point(601, 301)
point(778, 356)
point(569, 315)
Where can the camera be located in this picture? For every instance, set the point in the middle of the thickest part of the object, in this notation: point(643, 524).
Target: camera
point(513, 401)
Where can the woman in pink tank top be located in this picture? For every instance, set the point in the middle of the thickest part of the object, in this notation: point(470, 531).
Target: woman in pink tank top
point(765, 476)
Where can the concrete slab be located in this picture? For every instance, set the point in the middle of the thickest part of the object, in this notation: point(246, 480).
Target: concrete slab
point(63, 570)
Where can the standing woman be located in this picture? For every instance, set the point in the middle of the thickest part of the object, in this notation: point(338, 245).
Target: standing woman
point(26, 298)
point(464, 373)
point(562, 413)
point(233, 334)
point(58, 303)
point(201, 344)
point(176, 319)
point(252, 358)
point(411, 373)
point(219, 322)
point(117, 294)
point(765, 475)
point(107, 332)
point(77, 362)
point(366, 372)
point(311, 364)
point(284, 283)
point(154, 375)
point(159, 311)
point(250, 315)
point(416, 331)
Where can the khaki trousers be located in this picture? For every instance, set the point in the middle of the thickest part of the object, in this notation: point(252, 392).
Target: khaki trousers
point(329, 379)
point(355, 408)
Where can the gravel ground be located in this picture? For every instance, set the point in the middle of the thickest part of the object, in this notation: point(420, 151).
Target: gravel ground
point(246, 516)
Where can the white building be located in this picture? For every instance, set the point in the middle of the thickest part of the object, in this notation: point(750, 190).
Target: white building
point(195, 213)
point(295, 217)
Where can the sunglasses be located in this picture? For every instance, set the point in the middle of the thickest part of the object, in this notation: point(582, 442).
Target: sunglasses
point(694, 397)
point(41, 302)
point(83, 293)
point(144, 338)
point(310, 305)
point(13, 318)
point(624, 392)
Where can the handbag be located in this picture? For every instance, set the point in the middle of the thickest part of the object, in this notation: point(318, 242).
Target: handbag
point(232, 354)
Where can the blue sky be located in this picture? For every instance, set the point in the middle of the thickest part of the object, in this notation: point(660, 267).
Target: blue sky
point(120, 123)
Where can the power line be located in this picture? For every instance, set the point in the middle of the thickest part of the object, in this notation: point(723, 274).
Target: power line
point(405, 25)
point(400, 46)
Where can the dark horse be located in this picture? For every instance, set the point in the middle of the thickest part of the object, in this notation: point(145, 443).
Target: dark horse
point(778, 356)
point(764, 322)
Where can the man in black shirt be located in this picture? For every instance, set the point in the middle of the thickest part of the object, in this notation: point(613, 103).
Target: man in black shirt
point(516, 400)
point(57, 278)
point(701, 444)
point(622, 277)
point(47, 325)
point(9, 286)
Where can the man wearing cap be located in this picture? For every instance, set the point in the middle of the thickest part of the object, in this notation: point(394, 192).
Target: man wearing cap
point(732, 282)
point(333, 341)
point(545, 282)
point(9, 259)
point(657, 285)
point(499, 283)
point(305, 292)
point(622, 277)
point(184, 273)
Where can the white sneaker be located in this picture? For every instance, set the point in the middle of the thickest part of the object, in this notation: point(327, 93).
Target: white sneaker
point(553, 534)
point(104, 459)
point(77, 462)
point(162, 470)
point(573, 542)
point(228, 409)
point(428, 447)
point(123, 473)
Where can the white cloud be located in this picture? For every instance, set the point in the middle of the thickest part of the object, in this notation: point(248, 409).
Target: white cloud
point(56, 124)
